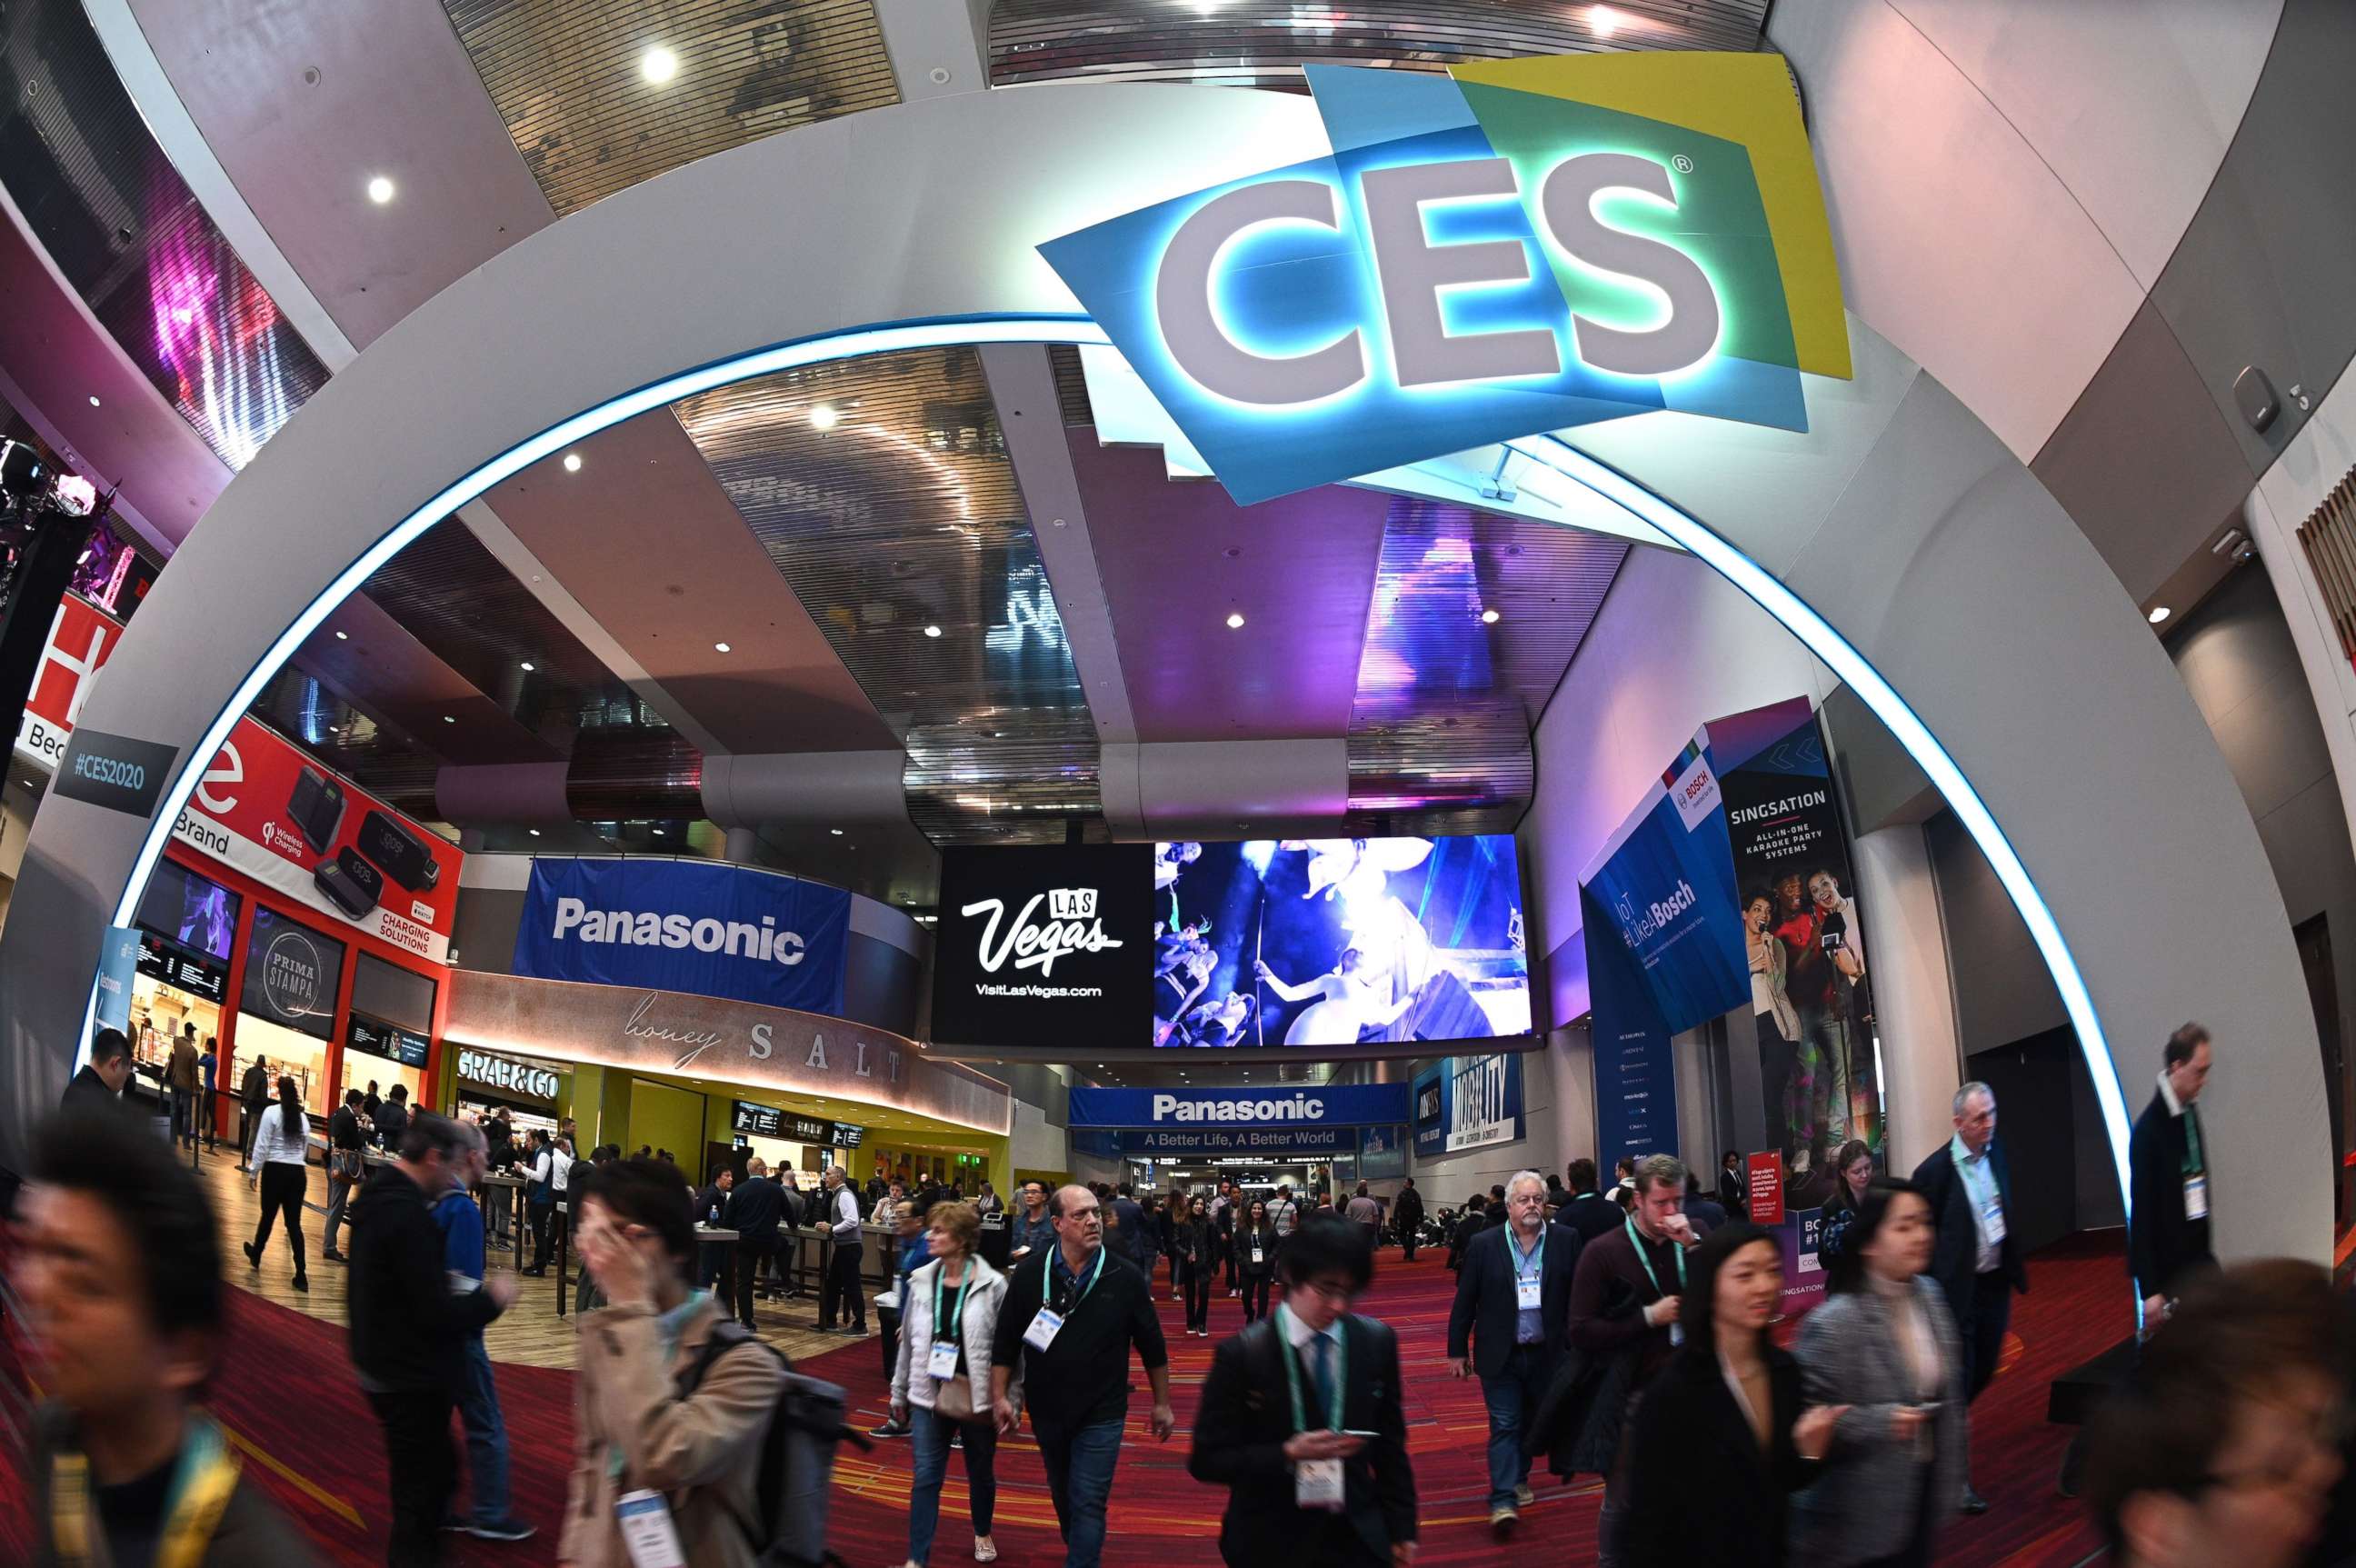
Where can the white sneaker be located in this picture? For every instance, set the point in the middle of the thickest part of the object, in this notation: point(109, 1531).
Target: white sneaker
point(984, 1549)
point(1523, 1496)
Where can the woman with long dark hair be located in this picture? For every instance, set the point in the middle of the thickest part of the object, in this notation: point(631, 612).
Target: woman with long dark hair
point(1885, 1348)
point(1727, 1406)
point(1191, 1238)
point(1255, 1258)
point(1852, 1174)
point(281, 1150)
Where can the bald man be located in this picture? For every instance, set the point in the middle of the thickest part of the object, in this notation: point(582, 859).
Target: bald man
point(1071, 1314)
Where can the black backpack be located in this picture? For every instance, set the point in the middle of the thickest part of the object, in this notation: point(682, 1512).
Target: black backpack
point(797, 1474)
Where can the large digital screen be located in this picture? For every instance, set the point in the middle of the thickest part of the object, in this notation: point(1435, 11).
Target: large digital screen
point(1319, 943)
point(194, 911)
point(1336, 942)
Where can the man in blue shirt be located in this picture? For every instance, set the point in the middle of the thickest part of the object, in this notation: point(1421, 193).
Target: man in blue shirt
point(916, 1251)
point(478, 1396)
point(206, 1115)
point(1034, 1228)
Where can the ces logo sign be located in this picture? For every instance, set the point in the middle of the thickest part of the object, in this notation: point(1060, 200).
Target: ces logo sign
point(1508, 249)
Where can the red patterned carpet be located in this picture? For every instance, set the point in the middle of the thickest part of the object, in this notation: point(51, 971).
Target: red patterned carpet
point(321, 1458)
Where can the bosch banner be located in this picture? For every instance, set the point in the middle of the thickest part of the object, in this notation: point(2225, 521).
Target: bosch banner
point(269, 810)
point(687, 926)
point(81, 638)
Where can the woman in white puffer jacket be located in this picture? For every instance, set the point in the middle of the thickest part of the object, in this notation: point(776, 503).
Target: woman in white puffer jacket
point(949, 1317)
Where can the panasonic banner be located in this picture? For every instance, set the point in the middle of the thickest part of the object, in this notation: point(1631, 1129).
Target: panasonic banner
point(671, 924)
point(1334, 1105)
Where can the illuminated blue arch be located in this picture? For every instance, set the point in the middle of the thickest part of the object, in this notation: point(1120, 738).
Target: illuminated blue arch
point(1754, 581)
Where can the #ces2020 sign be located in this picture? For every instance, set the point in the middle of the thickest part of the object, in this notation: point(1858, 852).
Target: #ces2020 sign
point(1512, 248)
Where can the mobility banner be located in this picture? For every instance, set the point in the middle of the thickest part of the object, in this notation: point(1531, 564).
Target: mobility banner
point(1468, 1102)
point(686, 926)
point(1811, 1006)
point(266, 809)
point(1332, 1105)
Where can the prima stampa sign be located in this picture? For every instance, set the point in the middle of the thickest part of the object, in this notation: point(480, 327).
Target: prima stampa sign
point(1042, 946)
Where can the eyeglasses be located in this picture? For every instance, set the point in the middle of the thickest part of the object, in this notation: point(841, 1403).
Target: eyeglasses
point(1339, 1294)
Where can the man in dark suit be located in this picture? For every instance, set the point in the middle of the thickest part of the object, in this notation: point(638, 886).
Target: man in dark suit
point(99, 1081)
point(754, 1210)
point(1280, 1409)
point(1977, 1259)
point(2168, 1234)
point(1589, 1212)
point(1408, 1209)
point(1470, 1223)
point(1512, 1297)
point(1730, 1184)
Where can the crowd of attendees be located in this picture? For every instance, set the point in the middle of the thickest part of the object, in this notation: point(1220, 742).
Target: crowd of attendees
point(1628, 1333)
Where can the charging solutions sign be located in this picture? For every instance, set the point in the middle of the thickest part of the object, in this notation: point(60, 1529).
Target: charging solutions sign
point(668, 925)
point(1516, 247)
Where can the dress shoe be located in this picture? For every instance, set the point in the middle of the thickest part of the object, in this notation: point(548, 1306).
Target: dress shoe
point(252, 1257)
point(1974, 1502)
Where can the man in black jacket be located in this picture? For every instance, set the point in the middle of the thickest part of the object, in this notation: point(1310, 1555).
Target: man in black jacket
point(1512, 1300)
point(1976, 1260)
point(1469, 1224)
point(1589, 1212)
point(2168, 1234)
point(1407, 1208)
point(346, 1166)
point(756, 1209)
point(712, 1209)
point(410, 1316)
point(253, 1093)
point(1279, 1408)
point(99, 1083)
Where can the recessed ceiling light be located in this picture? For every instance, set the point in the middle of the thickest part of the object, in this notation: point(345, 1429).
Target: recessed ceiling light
point(719, 648)
point(824, 417)
point(1602, 21)
point(659, 65)
point(659, 832)
point(534, 831)
point(380, 190)
point(342, 637)
point(836, 832)
point(93, 400)
point(573, 462)
point(448, 720)
point(932, 631)
point(1489, 617)
point(2159, 613)
point(1234, 621)
point(529, 666)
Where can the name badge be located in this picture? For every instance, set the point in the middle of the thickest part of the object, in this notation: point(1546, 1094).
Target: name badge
point(648, 1533)
point(1043, 1329)
point(1256, 1257)
point(1992, 1216)
point(1676, 1333)
point(1529, 1294)
point(1317, 1484)
point(942, 1362)
point(2195, 1197)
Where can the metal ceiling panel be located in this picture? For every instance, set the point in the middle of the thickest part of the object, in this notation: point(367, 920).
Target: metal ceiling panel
point(128, 236)
point(646, 541)
point(1177, 557)
point(1264, 43)
point(570, 79)
point(302, 101)
point(881, 490)
point(1447, 696)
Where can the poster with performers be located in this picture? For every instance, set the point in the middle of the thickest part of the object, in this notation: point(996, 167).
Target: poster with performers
point(1811, 983)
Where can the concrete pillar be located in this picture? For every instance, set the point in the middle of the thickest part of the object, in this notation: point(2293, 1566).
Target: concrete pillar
point(743, 846)
point(1914, 1003)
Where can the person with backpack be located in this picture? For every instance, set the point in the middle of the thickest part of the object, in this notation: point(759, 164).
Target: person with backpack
point(674, 1399)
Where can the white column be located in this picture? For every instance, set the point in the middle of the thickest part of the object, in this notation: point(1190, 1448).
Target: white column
point(743, 846)
point(1914, 1003)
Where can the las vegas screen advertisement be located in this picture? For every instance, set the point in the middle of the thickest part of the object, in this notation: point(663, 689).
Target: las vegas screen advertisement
point(1332, 943)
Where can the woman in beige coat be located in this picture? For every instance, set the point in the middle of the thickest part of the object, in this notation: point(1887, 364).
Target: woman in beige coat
point(632, 1429)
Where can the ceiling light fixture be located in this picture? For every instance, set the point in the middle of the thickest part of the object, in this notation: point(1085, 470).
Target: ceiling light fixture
point(659, 65)
point(93, 400)
point(659, 832)
point(529, 666)
point(534, 831)
point(1489, 617)
point(836, 832)
point(824, 417)
point(1602, 21)
point(380, 190)
point(342, 637)
point(448, 720)
point(719, 648)
point(1234, 621)
point(2159, 613)
point(932, 631)
point(573, 462)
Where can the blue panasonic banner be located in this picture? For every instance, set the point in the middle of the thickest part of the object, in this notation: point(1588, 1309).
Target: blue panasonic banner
point(1344, 1105)
point(1244, 1142)
point(1468, 1102)
point(669, 925)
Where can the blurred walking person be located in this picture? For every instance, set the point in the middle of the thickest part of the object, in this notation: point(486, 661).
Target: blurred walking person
point(460, 1219)
point(282, 1148)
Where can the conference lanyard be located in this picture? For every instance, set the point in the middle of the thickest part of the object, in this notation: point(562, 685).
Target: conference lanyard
point(200, 1491)
point(956, 1319)
point(1293, 1374)
point(2193, 1164)
point(1094, 1275)
point(1637, 1241)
